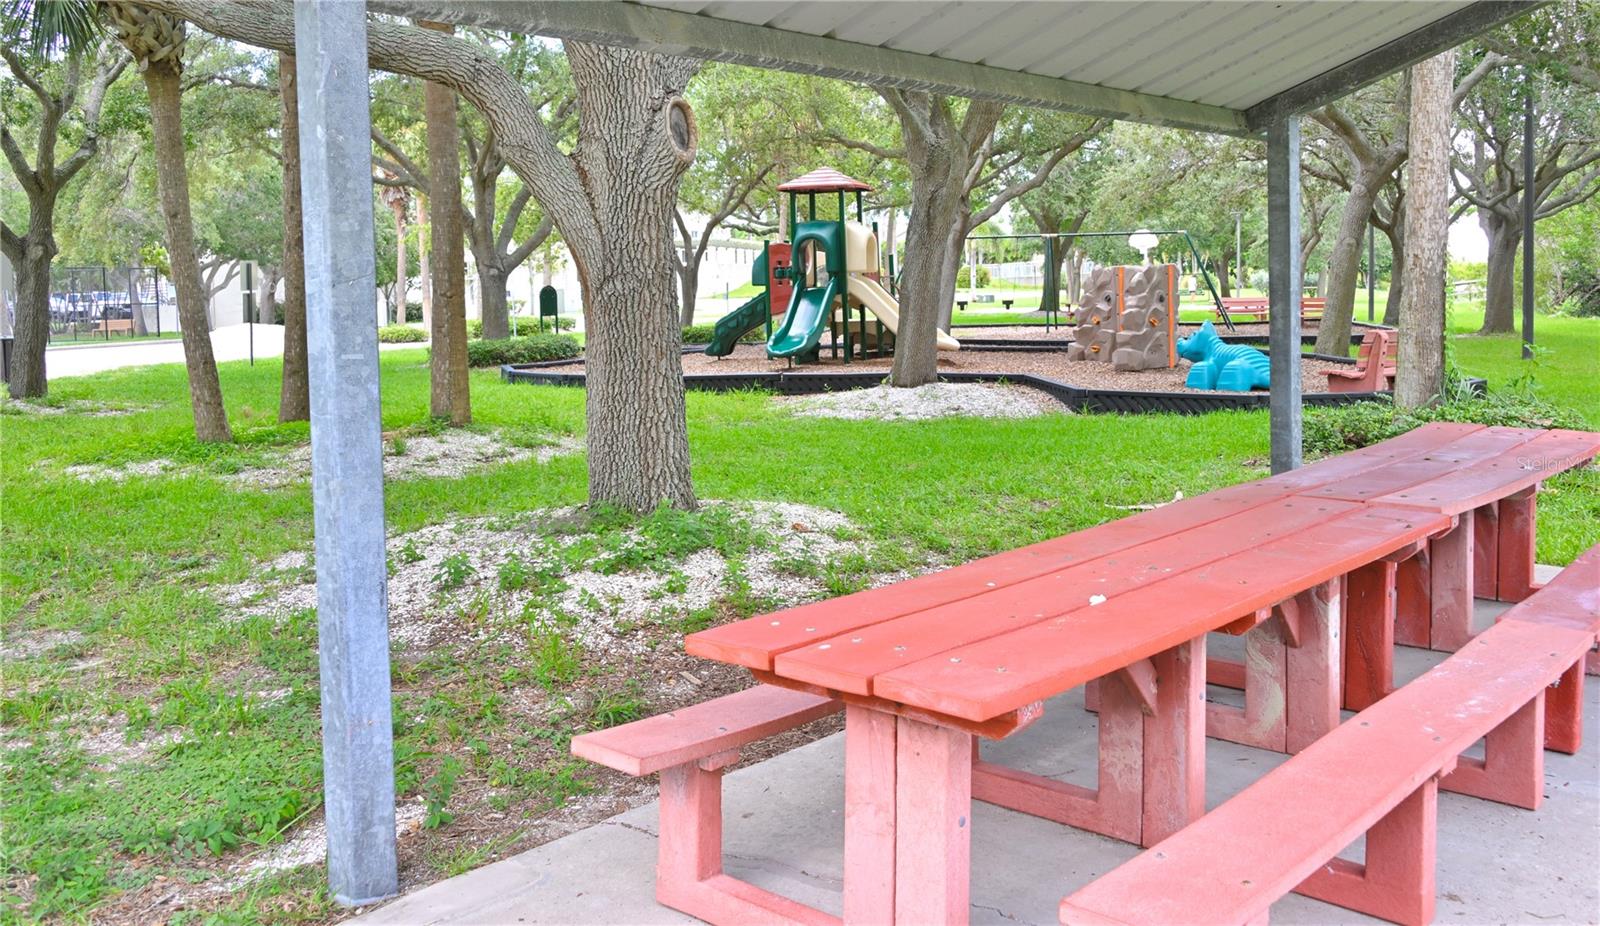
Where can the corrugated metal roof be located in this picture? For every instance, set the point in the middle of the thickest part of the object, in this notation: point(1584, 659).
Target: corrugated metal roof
point(1220, 65)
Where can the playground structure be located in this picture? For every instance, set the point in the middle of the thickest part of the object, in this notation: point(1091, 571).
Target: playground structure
point(1128, 317)
point(1217, 365)
point(827, 278)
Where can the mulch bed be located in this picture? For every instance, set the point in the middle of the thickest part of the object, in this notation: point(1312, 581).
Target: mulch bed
point(752, 358)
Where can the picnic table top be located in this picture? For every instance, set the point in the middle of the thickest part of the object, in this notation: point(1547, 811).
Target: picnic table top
point(997, 634)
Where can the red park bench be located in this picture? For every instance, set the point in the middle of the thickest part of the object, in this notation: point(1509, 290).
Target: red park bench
point(1256, 308)
point(1284, 832)
point(1369, 376)
point(927, 667)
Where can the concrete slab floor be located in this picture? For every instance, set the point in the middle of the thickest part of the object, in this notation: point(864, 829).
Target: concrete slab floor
point(784, 824)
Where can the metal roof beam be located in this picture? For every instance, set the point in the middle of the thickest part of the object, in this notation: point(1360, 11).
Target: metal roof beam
point(676, 33)
point(1446, 32)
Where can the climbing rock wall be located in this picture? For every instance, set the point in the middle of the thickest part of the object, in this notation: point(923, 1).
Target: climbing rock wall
point(1146, 323)
point(1127, 317)
point(1095, 336)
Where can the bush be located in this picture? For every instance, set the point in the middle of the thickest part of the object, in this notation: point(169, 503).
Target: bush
point(474, 329)
point(534, 349)
point(1582, 296)
point(1336, 429)
point(413, 311)
point(400, 334)
point(701, 334)
point(965, 273)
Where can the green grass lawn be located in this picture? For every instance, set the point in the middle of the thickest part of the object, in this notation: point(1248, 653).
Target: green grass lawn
point(125, 569)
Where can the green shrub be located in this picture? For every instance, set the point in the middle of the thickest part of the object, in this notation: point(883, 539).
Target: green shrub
point(400, 334)
point(474, 329)
point(533, 349)
point(1336, 429)
point(413, 311)
point(1582, 296)
point(965, 273)
point(701, 334)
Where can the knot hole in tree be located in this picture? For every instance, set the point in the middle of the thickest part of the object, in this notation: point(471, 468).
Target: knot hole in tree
point(681, 128)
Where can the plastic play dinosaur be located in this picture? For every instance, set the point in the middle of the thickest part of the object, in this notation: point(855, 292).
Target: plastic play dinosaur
point(1222, 366)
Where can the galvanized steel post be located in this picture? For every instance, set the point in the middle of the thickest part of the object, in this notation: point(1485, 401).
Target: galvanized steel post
point(346, 450)
point(1283, 272)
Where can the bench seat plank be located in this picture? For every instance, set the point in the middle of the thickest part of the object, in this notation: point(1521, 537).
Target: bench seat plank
point(849, 662)
point(1008, 671)
point(702, 730)
point(1487, 481)
point(1229, 866)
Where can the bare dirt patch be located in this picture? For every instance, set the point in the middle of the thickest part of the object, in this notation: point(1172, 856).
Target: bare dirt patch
point(84, 407)
point(935, 400)
point(30, 644)
point(448, 455)
point(143, 469)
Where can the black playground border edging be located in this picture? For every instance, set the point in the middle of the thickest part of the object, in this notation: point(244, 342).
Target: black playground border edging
point(1076, 398)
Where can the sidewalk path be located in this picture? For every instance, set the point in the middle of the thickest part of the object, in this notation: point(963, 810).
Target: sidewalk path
point(232, 342)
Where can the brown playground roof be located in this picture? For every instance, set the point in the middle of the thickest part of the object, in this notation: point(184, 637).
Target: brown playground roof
point(824, 180)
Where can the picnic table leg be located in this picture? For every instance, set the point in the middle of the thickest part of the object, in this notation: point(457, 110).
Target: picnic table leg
point(1452, 586)
point(1563, 711)
point(1175, 743)
point(1314, 685)
point(1396, 882)
point(1486, 551)
point(1512, 768)
point(933, 823)
point(869, 815)
point(1369, 634)
point(1414, 607)
point(1261, 723)
point(1516, 545)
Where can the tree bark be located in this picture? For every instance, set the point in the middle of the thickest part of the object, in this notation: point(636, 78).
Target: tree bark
point(162, 80)
point(494, 303)
point(1344, 261)
point(688, 291)
point(424, 266)
point(1397, 280)
point(294, 399)
point(1420, 378)
point(1224, 277)
point(1505, 237)
point(31, 324)
point(449, 394)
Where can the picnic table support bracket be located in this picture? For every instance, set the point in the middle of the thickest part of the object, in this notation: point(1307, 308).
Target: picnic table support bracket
point(1112, 808)
point(1512, 768)
point(1397, 881)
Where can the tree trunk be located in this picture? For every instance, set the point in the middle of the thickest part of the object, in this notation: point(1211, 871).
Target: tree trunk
point(424, 265)
point(31, 323)
point(1505, 236)
point(396, 312)
point(294, 399)
point(688, 288)
point(951, 263)
point(1344, 261)
point(1420, 378)
point(161, 78)
point(633, 149)
point(449, 394)
point(494, 308)
point(1224, 277)
point(1397, 280)
point(267, 289)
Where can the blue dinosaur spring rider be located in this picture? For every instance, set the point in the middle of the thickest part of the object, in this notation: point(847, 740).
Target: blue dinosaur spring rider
point(1222, 366)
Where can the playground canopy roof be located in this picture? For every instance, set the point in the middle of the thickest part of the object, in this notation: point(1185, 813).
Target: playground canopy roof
point(824, 180)
point(1230, 66)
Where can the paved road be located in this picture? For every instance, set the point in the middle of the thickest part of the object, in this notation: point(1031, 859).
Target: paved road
point(232, 342)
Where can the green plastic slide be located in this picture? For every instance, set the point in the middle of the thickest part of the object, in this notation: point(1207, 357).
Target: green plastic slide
point(733, 326)
point(805, 321)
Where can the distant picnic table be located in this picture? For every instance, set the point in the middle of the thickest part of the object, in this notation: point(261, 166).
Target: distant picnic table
point(1322, 570)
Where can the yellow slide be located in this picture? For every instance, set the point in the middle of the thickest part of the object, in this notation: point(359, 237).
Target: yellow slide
point(866, 291)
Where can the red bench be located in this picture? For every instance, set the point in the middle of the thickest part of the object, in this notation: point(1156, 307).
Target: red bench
point(691, 748)
point(1284, 832)
point(1256, 308)
point(1370, 374)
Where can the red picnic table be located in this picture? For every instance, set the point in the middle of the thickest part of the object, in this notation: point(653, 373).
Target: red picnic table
point(1293, 563)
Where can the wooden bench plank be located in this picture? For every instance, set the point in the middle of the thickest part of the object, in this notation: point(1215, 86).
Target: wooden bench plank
point(1231, 864)
point(1479, 483)
point(1008, 671)
point(756, 642)
point(702, 730)
point(1404, 473)
point(849, 662)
